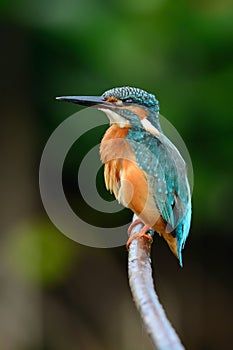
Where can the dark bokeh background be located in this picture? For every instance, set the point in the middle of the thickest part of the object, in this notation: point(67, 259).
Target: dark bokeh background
point(54, 293)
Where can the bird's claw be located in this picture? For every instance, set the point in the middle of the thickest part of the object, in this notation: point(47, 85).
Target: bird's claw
point(146, 232)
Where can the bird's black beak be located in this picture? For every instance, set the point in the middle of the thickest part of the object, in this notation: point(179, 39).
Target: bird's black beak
point(88, 101)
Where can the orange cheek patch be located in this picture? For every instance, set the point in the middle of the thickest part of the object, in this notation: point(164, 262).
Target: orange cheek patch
point(111, 99)
point(139, 111)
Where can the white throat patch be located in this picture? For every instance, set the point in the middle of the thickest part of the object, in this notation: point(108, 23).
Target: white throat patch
point(115, 118)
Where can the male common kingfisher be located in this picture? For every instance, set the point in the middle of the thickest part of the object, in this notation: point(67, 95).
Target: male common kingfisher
point(143, 169)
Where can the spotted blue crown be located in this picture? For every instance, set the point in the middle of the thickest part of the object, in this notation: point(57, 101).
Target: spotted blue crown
point(133, 95)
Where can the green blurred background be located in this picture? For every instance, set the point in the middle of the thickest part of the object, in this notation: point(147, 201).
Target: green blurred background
point(54, 293)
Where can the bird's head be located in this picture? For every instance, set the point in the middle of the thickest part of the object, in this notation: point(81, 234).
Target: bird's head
point(124, 106)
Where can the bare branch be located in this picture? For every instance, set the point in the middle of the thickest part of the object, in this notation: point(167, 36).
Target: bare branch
point(157, 326)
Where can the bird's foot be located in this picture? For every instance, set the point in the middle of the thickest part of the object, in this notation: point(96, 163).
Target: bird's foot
point(146, 232)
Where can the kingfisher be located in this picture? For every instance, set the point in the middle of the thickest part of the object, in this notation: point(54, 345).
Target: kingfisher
point(142, 167)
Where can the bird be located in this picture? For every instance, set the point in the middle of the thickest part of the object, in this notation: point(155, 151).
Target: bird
point(142, 167)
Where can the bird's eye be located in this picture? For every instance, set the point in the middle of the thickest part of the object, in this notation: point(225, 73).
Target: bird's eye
point(128, 100)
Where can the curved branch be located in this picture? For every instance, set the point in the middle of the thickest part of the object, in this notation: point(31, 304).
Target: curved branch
point(157, 326)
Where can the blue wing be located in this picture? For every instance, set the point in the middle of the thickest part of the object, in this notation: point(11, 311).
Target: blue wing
point(167, 175)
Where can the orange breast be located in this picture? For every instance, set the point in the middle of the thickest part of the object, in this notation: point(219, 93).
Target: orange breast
point(124, 178)
point(113, 150)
